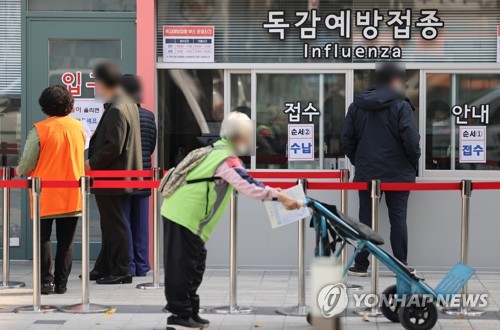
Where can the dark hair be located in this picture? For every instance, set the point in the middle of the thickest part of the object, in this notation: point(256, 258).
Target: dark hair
point(56, 101)
point(387, 72)
point(108, 73)
point(132, 86)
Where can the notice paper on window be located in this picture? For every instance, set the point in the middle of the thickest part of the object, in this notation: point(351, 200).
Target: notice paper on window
point(279, 216)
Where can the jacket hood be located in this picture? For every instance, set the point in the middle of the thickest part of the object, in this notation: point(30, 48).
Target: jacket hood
point(378, 98)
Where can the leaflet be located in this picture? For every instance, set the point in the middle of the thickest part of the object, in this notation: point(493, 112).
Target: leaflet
point(279, 216)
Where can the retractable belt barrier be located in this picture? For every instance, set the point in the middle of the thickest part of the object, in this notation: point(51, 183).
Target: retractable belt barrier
point(151, 180)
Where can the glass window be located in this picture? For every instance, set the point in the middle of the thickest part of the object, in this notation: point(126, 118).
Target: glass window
point(79, 5)
point(325, 92)
point(74, 60)
point(366, 78)
point(191, 109)
point(444, 91)
point(241, 94)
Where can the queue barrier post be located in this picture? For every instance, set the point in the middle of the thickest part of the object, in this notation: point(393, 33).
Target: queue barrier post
point(233, 307)
point(464, 310)
point(7, 173)
point(344, 178)
point(301, 309)
point(85, 307)
point(36, 189)
point(376, 194)
point(156, 237)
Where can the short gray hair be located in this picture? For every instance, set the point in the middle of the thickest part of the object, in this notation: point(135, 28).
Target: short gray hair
point(235, 124)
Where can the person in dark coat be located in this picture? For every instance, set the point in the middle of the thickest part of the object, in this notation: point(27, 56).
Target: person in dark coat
point(137, 212)
point(381, 139)
point(115, 145)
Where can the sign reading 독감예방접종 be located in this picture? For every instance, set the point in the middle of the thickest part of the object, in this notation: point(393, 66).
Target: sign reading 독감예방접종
point(472, 144)
point(188, 44)
point(369, 21)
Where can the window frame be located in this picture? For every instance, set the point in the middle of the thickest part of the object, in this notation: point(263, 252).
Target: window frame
point(452, 173)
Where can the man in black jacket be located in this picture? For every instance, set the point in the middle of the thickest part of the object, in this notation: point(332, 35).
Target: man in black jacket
point(381, 139)
point(115, 145)
point(137, 212)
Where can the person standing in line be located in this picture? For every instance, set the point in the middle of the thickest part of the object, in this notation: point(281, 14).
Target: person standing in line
point(137, 212)
point(115, 145)
point(381, 139)
point(54, 150)
point(192, 211)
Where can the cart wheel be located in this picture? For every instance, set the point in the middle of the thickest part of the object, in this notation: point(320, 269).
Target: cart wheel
point(309, 318)
point(390, 306)
point(418, 314)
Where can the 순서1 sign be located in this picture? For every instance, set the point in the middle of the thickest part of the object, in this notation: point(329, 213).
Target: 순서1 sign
point(472, 144)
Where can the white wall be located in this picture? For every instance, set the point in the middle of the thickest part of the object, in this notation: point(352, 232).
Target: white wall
point(433, 225)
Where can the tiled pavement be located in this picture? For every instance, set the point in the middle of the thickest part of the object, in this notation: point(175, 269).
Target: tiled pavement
point(140, 309)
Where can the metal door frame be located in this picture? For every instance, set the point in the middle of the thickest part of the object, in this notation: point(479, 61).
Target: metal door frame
point(27, 19)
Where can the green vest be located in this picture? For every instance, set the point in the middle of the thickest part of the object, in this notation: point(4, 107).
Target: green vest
point(199, 206)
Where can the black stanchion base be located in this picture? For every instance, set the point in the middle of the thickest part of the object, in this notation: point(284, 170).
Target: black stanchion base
point(85, 309)
point(11, 285)
point(33, 309)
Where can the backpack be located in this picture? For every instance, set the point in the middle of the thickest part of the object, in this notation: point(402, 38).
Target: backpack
point(176, 176)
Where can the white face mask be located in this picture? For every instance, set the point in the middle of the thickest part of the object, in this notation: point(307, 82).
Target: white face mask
point(243, 150)
point(99, 98)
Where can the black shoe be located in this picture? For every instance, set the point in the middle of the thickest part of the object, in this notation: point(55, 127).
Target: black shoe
point(47, 288)
point(112, 279)
point(186, 322)
point(356, 271)
point(61, 289)
point(204, 322)
point(94, 275)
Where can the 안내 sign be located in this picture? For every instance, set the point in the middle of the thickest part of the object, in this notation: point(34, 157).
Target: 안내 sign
point(472, 144)
point(300, 142)
point(188, 44)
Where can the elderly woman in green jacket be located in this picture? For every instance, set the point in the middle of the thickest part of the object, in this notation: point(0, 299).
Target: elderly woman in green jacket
point(191, 213)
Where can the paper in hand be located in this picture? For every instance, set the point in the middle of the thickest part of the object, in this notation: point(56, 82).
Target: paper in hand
point(279, 216)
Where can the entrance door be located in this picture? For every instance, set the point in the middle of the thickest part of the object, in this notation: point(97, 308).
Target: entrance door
point(63, 52)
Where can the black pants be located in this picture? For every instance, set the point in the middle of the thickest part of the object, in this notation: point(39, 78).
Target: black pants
point(397, 203)
point(65, 234)
point(184, 262)
point(113, 257)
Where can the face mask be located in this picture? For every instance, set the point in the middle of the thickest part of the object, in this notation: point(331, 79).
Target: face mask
point(242, 150)
point(99, 98)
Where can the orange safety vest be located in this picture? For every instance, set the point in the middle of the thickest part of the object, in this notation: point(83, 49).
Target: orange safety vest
point(62, 147)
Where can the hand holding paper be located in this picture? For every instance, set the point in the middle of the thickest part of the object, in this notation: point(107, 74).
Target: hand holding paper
point(291, 210)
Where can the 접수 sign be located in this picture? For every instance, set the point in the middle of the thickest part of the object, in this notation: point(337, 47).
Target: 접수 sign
point(472, 144)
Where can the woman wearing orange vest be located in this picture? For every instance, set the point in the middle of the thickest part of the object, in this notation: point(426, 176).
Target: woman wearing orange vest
point(54, 150)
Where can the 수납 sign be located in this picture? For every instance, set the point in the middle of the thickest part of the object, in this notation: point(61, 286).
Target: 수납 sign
point(472, 144)
point(188, 44)
point(300, 142)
